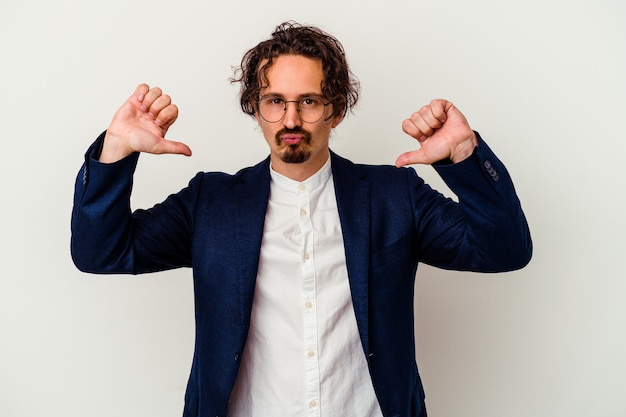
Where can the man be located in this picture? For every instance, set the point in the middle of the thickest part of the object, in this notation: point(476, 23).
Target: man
point(304, 264)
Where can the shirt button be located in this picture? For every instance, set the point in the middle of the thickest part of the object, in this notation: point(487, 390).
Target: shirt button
point(311, 354)
point(306, 256)
point(303, 212)
point(312, 403)
point(308, 304)
point(302, 187)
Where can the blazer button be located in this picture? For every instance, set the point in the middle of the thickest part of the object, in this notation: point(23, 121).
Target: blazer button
point(491, 170)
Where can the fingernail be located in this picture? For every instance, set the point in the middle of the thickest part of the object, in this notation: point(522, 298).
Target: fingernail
point(140, 97)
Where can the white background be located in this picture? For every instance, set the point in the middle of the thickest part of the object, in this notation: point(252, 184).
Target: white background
point(542, 80)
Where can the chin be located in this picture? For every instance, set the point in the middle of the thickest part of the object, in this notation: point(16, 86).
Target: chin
point(293, 155)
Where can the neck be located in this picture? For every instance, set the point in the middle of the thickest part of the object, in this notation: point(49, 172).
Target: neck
point(302, 171)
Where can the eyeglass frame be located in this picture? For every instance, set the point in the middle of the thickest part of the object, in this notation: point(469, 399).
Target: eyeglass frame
point(297, 107)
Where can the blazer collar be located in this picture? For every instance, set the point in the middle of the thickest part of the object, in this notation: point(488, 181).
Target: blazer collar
point(353, 201)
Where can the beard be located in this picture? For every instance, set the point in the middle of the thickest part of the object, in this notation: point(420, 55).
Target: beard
point(294, 154)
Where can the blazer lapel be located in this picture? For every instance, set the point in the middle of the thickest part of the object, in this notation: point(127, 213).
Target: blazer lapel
point(353, 202)
point(251, 195)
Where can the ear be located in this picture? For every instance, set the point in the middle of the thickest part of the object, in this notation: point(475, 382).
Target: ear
point(337, 119)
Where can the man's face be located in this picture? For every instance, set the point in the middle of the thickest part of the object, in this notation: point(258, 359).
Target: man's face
point(297, 149)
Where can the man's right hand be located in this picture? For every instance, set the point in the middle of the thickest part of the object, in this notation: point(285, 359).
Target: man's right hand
point(140, 125)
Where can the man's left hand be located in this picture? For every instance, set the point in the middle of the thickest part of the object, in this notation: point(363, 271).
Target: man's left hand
point(443, 133)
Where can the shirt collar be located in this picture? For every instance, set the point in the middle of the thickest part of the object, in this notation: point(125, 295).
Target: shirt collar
point(311, 183)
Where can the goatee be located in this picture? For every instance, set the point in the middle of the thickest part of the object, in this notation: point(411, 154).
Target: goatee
point(294, 154)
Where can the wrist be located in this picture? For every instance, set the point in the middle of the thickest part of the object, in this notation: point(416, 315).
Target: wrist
point(113, 149)
point(465, 149)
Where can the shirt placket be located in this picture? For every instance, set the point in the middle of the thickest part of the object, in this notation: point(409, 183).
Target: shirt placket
point(310, 346)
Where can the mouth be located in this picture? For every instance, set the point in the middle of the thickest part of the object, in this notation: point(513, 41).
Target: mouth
point(291, 139)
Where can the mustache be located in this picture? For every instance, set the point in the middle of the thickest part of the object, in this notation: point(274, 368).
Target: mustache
point(295, 131)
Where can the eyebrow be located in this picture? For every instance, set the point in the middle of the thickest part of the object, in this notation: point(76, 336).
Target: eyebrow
point(301, 96)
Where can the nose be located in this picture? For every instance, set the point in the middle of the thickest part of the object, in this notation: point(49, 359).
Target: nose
point(291, 118)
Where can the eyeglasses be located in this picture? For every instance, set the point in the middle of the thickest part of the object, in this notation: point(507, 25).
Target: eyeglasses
point(310, 109)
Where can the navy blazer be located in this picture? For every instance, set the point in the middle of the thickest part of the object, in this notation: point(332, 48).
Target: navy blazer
point(390, 219)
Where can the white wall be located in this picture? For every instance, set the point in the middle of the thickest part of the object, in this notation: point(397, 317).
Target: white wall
point(542, 80)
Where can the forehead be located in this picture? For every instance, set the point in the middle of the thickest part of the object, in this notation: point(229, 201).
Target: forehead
point(294, 75)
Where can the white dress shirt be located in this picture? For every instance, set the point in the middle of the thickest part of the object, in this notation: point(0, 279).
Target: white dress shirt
point(303, 355)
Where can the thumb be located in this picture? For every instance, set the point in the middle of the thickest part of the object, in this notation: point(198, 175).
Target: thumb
point(412, 157)
point(165, 146)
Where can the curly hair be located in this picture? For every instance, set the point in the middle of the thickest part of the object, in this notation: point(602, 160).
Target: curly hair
point(340, 85)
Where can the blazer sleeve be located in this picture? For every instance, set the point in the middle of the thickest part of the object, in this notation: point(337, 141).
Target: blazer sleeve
point(486, 231)
point(108, 238)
